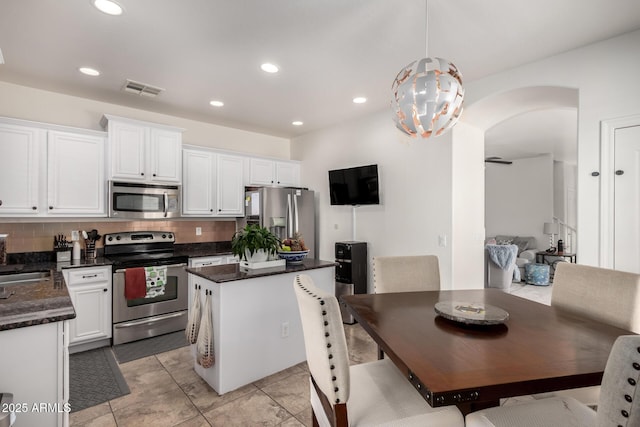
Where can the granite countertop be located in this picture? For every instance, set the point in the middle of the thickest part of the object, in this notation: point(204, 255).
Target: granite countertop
point(36, 303)
point(48, 301)
point(40, 302)
point(232, 272)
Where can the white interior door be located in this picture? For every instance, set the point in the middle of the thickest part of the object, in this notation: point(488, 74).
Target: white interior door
point(626, 255)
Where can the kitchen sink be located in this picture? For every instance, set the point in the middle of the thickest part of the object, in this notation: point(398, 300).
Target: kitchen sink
point(22, 278)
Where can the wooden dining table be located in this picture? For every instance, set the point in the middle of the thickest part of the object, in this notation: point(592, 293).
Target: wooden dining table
point(539, 348)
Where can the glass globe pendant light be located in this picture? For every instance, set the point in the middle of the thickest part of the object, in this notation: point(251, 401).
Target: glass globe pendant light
point(427, 95)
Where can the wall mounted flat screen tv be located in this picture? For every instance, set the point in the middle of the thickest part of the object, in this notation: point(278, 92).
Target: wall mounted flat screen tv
point(354, 186)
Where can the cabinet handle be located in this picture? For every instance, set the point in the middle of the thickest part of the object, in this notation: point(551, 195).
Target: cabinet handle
point(105, 290)
point(0, 202)
point(219, 210)
point(90, 276)
point(35, 208)
point(141, 173)
point(619, 172)
point(154, 174)
point(278, 182)
point(50, 207)
point(210, 210)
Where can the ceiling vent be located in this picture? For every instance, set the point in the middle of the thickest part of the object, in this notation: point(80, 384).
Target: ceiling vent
point(142, 89)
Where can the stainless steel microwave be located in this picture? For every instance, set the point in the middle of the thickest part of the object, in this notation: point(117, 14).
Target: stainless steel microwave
point(143, 201)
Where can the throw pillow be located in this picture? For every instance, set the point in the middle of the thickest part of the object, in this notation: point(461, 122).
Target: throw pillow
point(522, 243)
point(505, 242)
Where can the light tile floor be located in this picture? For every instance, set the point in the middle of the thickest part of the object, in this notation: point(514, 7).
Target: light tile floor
point(166, 391)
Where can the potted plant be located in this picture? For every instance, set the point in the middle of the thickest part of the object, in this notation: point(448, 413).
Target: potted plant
point(254, 243)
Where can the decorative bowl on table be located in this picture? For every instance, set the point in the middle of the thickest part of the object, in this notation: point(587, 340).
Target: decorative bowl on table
point(293, 257)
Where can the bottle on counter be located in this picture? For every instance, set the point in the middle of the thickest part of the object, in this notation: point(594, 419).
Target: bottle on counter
point(76, 250)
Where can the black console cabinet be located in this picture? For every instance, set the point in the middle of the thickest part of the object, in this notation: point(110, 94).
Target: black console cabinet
point(351, 273)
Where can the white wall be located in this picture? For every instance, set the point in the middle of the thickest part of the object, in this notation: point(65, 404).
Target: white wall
point(519, 198)
point(27, 103)
point(604, 74)
point(417, 177)
point(415, 188)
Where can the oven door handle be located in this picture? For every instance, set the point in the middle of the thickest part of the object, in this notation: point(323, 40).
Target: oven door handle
point(122, 270)
point(149, 320)
point(166, 203)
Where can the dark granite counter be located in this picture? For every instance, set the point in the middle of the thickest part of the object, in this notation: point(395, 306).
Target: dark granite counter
point(233, 272)
point(36, 303)
point(40, 302)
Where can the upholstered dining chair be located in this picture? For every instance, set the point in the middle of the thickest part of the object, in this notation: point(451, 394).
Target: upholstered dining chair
point(366, 394)
point(406, 273)
point(619, 403)
point(602, 294)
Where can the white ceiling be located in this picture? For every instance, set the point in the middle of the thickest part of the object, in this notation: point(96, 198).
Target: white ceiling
point(329, 51)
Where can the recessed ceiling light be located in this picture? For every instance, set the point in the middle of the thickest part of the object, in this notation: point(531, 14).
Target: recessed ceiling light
point(107, 6)
point(89, 71)
point(297, 123)
point(269, 68)
point(359, 100)
point(215, 103)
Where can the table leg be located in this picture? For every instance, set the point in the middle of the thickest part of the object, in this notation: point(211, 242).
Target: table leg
point(468, 407)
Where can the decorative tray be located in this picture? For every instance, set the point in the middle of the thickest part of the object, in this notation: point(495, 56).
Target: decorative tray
point(471, 313)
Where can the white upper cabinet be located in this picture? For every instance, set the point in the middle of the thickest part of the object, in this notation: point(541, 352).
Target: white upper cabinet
point(143, 152)
point(76, 178)
point(230, 192)
point(21, 157)
point(198, 182)
point(50, 170)
point(274, 173)
point(212, 184)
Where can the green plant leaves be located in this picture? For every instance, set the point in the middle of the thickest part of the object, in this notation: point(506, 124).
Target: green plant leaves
point(253, 238)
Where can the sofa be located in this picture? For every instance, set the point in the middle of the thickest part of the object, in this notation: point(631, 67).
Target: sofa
point(527, 248)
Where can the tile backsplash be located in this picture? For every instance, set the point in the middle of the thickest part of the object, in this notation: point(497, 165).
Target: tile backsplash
point(37, 237)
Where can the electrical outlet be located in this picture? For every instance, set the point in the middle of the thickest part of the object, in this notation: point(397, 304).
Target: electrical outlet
point(198, 231)
point(284, 331)
point(442, 240)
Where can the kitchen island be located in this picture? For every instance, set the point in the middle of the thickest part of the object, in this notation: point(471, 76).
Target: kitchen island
point(256, 323)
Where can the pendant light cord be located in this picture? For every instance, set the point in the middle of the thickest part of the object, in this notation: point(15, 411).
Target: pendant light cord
point(426, 29)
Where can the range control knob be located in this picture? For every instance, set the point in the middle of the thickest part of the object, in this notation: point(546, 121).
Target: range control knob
point(171, 236)
point(110, 238)
point(118, 237)
point(164, 236)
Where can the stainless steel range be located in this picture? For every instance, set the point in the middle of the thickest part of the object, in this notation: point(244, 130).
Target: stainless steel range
point(159, 312)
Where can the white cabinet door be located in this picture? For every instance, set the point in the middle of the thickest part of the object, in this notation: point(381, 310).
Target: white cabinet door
point(198, 183)
point(261, 172)
point(21, 150)
point(230, 192)
point(127, 144)
point(143, 151)
point(90, 291)
point(76, 179)
point(90, 323)
point(287, 174)
point(165, 149)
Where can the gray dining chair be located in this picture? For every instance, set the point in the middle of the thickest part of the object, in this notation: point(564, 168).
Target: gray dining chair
point(367, 394)
point(619, 403)
point(608, 296)
point(406, 273)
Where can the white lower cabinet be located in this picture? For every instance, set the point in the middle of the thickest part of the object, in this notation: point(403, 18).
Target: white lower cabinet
point(35, 369)
point(90, 290)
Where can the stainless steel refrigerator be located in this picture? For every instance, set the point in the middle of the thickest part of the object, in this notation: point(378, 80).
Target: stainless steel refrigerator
point(284, 211)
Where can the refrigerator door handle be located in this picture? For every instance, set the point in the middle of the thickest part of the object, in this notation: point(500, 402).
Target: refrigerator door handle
point(289, 217)
point(295, 214)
